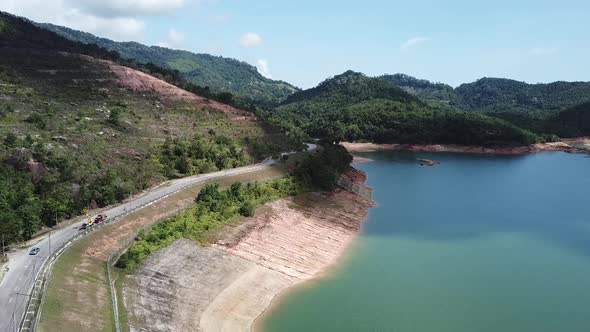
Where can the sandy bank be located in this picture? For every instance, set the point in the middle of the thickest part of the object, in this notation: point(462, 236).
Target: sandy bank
point(226, 286)
point(361, 160)
point(534, 148)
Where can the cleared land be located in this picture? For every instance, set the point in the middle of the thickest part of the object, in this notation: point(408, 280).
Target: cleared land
point(226, 286)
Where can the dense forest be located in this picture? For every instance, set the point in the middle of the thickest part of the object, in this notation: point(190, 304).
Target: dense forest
point(217, 73)
point(353, 107)
point(502, 95)
point(432, 93)
point(497, 95)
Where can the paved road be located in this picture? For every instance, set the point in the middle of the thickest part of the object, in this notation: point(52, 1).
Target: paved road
point(18, 281)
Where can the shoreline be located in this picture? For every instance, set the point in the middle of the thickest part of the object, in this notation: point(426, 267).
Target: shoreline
point(564, 146)
point(282, 296)
point(251, 266)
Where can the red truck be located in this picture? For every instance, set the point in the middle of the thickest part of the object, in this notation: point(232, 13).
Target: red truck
point(100, 218)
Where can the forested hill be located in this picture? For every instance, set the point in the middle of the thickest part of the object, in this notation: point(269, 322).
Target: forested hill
point(497, 95)
point(351, 87)
point(504, 95)
point(80, 129)
point(218, 73)
point(433, 93)
point(352, 106)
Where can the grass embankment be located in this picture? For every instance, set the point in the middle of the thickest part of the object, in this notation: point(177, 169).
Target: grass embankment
point(213, 209)
point(78, 296)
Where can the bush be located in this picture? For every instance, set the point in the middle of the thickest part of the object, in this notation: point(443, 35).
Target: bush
point(37, 119)
point(247, 209)
point(10, 139)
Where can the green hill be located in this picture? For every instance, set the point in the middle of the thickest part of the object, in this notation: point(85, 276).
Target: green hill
point(78, 129)
point(547, 109)
point(352, 106)
point(432, 93)
point(218, 73)
point(504, 95)
point(497, 95)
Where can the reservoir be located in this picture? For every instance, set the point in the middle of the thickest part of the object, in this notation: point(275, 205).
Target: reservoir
point(477, 243)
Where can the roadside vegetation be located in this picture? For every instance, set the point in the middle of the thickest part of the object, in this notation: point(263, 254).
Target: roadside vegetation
point(213, 209)
point(216, 208)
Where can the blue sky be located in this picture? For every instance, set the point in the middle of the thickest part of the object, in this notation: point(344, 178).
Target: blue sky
point(304, 42)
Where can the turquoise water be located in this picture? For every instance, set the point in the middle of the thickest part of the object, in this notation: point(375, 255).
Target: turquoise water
point(475, 244)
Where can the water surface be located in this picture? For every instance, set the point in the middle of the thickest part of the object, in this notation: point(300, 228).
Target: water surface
point(478, 243)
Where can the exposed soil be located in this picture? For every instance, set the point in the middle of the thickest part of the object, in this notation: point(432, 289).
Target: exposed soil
point(138, 81)
point(226, 286)
point(360, 160)
point(519, 150)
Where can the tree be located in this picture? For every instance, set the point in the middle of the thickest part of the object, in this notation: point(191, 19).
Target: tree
point(10, 139)
point(247, 209)
point(115, 117)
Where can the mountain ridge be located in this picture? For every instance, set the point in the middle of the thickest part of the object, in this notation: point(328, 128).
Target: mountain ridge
point(492, 94)
point(219, 73)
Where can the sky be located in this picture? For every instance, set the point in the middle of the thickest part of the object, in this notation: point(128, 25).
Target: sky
point(306, 41)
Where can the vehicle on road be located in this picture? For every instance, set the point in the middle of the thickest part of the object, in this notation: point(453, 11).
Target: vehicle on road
point(100, 218)
point(34, 251)
point(82, 227)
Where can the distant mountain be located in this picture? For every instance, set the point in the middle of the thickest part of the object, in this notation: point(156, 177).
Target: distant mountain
point(218, 73)
point(504, 95)
point(352, 106)
point(432, 93)
point(351, 87)
point(497, 95)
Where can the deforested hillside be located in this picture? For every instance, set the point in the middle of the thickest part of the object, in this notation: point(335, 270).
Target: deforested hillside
point(78, 129)
point(215, 72)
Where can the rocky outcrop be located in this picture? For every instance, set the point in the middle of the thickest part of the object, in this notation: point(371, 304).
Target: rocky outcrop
point(428, 162)
point(354, 180)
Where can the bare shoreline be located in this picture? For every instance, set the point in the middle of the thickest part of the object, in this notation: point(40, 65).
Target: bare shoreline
point(232, 284)
point(565, 146)
point(282, 296)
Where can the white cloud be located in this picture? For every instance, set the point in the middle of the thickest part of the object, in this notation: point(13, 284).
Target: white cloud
point(413, 42)
point(543, 50)
point(251, 40)
point(174, 39)
point(115, 19)
point(263, 69)
point(114, 8)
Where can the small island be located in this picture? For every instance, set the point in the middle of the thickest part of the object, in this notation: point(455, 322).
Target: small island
point(428, 162)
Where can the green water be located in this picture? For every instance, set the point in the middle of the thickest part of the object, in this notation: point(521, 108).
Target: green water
point(477, 244)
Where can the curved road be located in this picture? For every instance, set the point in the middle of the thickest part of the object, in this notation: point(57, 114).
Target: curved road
point(18, 282)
